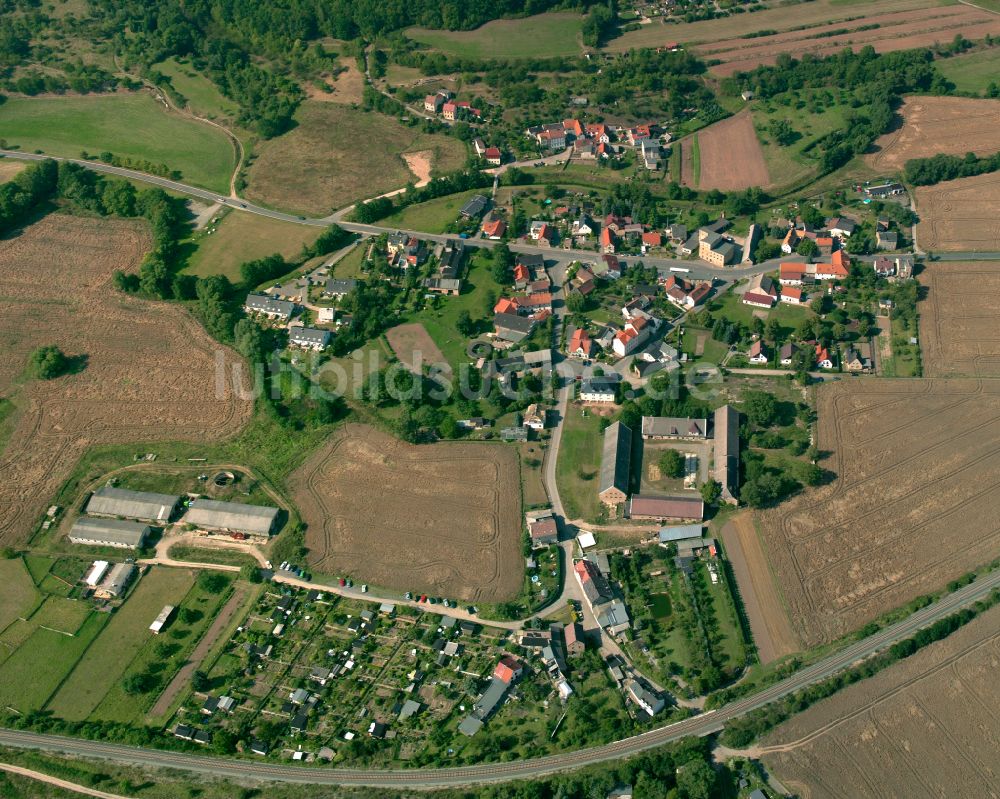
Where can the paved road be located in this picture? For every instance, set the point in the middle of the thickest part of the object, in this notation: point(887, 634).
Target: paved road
point(699, 725)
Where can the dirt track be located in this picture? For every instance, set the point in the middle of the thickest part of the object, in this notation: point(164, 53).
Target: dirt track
point(927, 726)
point(149, 373)
point(917, 460)
point(441, 518)
point(772, 632)
point(730, 155)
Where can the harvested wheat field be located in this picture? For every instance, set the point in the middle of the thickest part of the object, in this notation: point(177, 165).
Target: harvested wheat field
point(916, 459)
point(958, 319)
point(441, 518)
point(885, 32)
point(960, 215)
point(415, 348)
point(933, 125)
point(926, 726)
point(150, 367)
point(731, 157)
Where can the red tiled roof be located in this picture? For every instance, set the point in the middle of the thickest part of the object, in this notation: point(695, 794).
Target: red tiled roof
point(505, 306)
point(652, 239)
point(497, 227)
point(580, 341)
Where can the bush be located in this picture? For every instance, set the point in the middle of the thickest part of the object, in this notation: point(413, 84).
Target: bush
point(48, 362)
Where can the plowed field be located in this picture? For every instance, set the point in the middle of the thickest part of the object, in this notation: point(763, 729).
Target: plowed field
point(915, 504)
point(441, 519)
point(149, 373)
point(731, 157)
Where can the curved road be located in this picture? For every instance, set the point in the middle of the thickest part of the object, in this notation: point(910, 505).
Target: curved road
point(703, 724)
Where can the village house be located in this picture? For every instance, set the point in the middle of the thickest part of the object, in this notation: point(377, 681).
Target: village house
point(630, 338)
point(884, 267)
point(787, 353)
point(443, 285)
point(512, 328)
point(823, 359)
point(534, 417)
point(854, 361)
point(761, 293)
point(337, 288)
point(581, 345)
point(758, 352)
point(792, 274)
point(792, 295)
point(716, 249)
point(790, 242)
point(607, 241)
point(600, 389)
point(886, 240)
point(684, 293)
point(494, 229)
point(475, 207)
point(841, 227)
point(542, 527)
point(584, 226)
point(493, 156)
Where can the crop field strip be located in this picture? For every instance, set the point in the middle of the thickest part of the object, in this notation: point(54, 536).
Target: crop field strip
point(388, 512)
point(909, 725)
point(59, 271)
point(731, 157)
point(884, 533)
point(958, 320)
point(895, 31)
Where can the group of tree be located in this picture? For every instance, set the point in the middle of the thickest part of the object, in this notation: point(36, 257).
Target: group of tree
point(381, 207)
point(938, 168)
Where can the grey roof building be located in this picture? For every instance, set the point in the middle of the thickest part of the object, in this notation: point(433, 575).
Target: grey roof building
point(613, 616)
point(144, 505)
point(309, 337)
point(475, 207)
point(727, 451)
point(338, 288)
point(262, 303)
point(511, 327)
point(616, 464)
point(109, 533)
point(118, 580)
point(679, 532)
point(232, 516)
point(673, 427)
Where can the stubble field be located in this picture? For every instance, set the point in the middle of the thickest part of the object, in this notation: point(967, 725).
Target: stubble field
point(927, 726)
point(442, 519)
point(958, 319)
point(917, 461)
point(900, 30)
point(933, 125)
point(960, 215)
point(414, 347)
point(731, 157)
point(149, 373)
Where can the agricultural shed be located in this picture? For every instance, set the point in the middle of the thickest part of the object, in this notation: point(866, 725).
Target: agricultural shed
point(232, 517)
point(144, 505)
point(108, 533)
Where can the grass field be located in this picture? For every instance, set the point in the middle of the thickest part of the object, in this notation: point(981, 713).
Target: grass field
point(433, 216)
point(203, 96)
point(790, 165)
point(31, 674)
point(161, 655)
point(19, 592)
point(350, 265)
point(336, 155)
point(973, 72)
point(579, 463)
point(543, 35)
point(61, 615)
point(241, 237)
point(110, 655)
point(134, 126)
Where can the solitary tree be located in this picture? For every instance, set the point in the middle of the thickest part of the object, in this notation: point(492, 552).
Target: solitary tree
point(48, 362)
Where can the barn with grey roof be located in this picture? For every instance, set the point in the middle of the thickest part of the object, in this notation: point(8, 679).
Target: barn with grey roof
point(234, 517)
point(616, 463)
point(109, 533)
point(143, 505)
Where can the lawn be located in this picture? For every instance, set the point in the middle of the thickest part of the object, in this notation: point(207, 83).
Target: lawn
point(19, 592)
point(714, 351)
point(106, 660)
point(351, 264)
point(579, 464)
point(241, 237)
point(40, 664)
point(433, 216)
point(163, 654)
point(61, 615)
point(973, 72)
point(224, 557)
point(440, 315)
point(544, 35)
point(132, 126)
point(203, 97)
point(729, 642)
point(336, 155)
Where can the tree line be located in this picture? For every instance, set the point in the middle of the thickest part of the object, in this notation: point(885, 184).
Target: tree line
point(938, 168)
